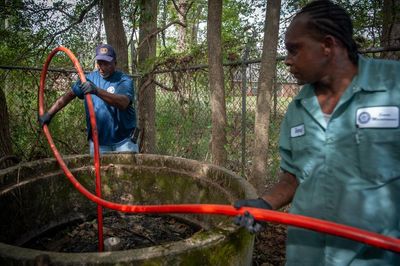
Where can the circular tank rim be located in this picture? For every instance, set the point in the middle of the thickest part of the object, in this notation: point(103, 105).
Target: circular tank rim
point(113, 257)
point(200, 240)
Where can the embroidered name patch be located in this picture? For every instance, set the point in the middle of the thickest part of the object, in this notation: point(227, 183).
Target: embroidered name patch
point(297, 131)
point(378, 117)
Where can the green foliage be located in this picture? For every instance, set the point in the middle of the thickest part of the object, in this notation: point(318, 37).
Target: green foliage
point(367, 21)
point(175, 118)
point(34, 28)
point(366, 17)
point(22, 116)
point(169, 60)
point(183, 116)
point(234, 20)
point(68, 127)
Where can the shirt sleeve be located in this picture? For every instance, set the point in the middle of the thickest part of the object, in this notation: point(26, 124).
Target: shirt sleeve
point(285, 149)
point(125, 87)
point(76, 90)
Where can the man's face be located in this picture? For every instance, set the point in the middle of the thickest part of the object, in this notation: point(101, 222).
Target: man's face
point(305, 54)
point(106, 68)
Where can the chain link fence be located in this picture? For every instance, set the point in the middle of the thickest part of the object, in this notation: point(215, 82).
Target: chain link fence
point(183, 112)
point(183, 118)
point(20, 86)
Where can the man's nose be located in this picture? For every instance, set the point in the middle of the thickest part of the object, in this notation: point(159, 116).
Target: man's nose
point(287, 61)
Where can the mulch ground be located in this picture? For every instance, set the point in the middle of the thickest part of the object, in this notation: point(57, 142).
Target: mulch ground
point(138, 231)
point(269, 246)
point(134, 231)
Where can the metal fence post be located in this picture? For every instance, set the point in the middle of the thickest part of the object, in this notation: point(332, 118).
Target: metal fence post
point(244, 94)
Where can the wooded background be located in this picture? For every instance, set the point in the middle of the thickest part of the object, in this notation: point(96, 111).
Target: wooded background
point(210, 81)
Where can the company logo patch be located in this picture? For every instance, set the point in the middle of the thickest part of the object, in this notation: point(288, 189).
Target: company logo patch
point(378, 117)
point(364, 118)
point(103, 50)
point(111, 89)
point(297, 131)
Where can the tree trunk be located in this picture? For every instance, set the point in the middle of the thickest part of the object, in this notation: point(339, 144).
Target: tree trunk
point(5, 136)
point(264, 95)
point(391, 28)
point(182, 9)
point(195, 26)
point(147, 91)
point(163, 21)
point(216, 80)
point(115, 32)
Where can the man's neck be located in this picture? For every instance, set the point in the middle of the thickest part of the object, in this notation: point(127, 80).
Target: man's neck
point(338, 77)
point(332, 86)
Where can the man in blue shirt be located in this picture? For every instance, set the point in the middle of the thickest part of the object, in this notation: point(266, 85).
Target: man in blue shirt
point(112, 95)
point(339, 142)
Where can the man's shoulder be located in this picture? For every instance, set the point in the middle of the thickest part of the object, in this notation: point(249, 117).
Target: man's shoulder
point(93, 74)
point(122, 76)
point(379, 63)
point(375, 73)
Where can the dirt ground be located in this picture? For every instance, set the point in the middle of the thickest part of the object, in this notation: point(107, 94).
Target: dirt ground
point(138, 231)
point(134, 231)
point(269, 246)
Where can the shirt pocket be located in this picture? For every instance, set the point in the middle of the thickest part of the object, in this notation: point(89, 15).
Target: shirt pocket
point(379, 154)
point(300, 146)
point(303, 156)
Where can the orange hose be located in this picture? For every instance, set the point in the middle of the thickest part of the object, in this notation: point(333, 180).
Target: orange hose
point(92, 123)
point(356, 234)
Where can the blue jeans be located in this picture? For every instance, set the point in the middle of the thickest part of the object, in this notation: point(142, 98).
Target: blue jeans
point(125, 145)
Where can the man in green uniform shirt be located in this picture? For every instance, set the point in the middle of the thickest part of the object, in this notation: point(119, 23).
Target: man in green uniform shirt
point(339, 142)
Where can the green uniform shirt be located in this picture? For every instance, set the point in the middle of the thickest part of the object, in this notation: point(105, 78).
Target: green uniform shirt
point(348, 168)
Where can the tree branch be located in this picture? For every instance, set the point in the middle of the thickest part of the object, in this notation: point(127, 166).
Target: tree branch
point(159, 30)
point(164, 87)
point(177, 7)
point(79, 20)
point(132, 17)
point(183, 14)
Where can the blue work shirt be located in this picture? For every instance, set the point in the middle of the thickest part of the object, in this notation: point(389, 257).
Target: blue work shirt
point(348, 168)
point(113, 125)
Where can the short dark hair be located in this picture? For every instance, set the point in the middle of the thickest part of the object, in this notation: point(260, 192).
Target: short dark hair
point(328, 18)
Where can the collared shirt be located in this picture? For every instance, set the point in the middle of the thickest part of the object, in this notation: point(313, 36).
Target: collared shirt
point(348, 167)
point(113, 125)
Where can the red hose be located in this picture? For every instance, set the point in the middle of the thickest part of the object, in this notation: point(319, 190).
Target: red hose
point(92, 123)
point(363, 236)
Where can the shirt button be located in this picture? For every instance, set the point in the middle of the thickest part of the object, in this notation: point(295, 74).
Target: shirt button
point(329, 140)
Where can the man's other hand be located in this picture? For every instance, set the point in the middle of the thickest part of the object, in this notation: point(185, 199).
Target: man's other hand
point(44, 119)
point(88, 87)
point(247, 220)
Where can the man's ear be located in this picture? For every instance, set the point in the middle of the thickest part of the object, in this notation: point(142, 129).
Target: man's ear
point(329, 42)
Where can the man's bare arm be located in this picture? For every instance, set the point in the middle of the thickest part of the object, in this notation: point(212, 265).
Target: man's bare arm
point(118, 100)
point(61, 102)
point(282, 193)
